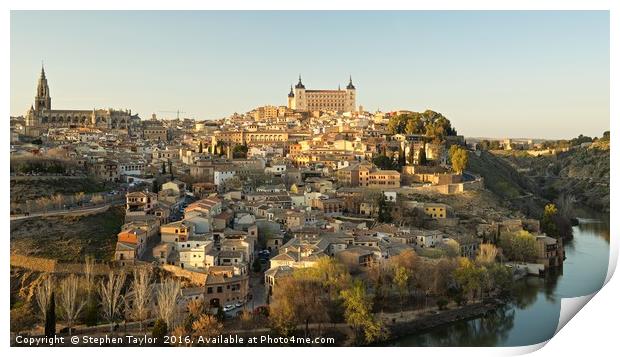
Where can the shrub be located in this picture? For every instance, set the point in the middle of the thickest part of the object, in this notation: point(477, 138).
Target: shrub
point(160, 330)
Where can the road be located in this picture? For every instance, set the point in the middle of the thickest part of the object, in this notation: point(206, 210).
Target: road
point(73, 212)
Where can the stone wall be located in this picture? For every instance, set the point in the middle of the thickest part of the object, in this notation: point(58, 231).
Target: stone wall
point(195, 277)
point(53, 266)
point(32, 263)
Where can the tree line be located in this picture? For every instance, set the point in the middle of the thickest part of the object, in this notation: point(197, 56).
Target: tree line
point(329, 293)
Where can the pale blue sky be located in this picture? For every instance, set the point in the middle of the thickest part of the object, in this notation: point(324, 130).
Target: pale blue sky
point(516, 74)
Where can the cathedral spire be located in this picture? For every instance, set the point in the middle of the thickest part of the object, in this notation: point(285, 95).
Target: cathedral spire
point(42, 99)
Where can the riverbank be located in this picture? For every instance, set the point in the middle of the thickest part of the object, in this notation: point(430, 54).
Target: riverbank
point(416, 321)
point(531, 315)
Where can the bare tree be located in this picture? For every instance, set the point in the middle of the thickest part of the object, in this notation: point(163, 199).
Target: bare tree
point(42, 203)
point(565, 205)
point(141, 291)
point(207, 327)
point(196, 308)
point(89, 276)
point(59, 200)
point(111, 298)
point(43, 295)
point(486, 254)
point(168, 296)
point(96, 199)
point(79, 197)
point(70, 303)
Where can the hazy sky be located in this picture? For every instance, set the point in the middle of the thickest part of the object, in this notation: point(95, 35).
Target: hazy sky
point(516, 74)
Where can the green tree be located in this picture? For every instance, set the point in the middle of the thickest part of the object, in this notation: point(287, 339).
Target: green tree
point(91, 312)
point(256, 266)
point(415, 124)
point(401, 279)
point(298, 299)
point(333, 274)
point(401, 157)
point(519, 246)
point(501, 277)
point(358, 312)
point(469, 277)
point(548, 221)
point(171, 170)
point(397, 124)
point(383, 162)
point(240, 151)
point(458, 159)
point(422, 156)
point(163, 168)
point(451, 249)
point(50, 318)
point(155, 187)
point(384, 216)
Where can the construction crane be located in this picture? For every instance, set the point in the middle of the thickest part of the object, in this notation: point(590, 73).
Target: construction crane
point(178, 111)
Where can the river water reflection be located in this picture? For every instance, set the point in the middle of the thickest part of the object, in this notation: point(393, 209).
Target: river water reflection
point(533, 315)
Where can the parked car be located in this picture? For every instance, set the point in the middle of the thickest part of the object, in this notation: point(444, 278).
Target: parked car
point(228, 308)
point(239, 304)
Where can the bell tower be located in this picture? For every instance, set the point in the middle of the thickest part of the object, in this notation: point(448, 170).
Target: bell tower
point(42, 100)
point(350, 97)
point(291, 99)
point(300, 96)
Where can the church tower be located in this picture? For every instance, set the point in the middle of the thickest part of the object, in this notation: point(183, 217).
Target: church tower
point(291, 99)
point(42, 100)
point(300, 96)
point(350, 99)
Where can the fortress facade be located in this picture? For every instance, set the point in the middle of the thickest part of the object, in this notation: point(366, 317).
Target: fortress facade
point(339, 100)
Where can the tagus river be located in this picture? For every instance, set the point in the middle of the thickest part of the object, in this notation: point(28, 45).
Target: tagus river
point(532, 316)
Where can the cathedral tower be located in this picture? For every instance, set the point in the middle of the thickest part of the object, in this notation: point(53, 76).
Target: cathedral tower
point(42, 100)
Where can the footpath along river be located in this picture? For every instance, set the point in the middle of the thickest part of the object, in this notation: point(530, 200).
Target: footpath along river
point(532, 315)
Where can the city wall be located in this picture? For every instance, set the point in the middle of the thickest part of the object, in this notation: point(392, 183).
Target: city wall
point(45, 265)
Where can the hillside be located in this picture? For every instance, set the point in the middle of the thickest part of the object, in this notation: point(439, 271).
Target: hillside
point(32, 187)
point(68, 238)
point(516, 190)
point(582, 173)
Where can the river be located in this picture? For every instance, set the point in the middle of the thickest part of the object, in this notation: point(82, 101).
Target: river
point(532, 316)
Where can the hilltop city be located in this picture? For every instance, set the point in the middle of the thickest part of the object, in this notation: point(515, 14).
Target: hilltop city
point(316, 217)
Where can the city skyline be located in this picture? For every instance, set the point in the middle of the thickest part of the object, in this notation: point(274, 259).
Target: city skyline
point(516, 81)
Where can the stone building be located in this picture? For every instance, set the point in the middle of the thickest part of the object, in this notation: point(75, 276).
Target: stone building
point(308, 100)
point(41, 116)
